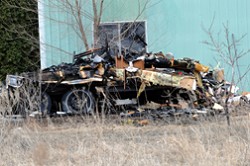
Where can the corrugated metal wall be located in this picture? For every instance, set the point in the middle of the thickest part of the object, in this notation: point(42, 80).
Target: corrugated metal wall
point(172, 26)
point(179, 23)
point(61, 34)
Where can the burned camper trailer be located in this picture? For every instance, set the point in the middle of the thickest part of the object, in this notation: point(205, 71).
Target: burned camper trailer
point(97, 78)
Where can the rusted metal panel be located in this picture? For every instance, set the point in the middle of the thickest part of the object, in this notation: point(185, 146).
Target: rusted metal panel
point(78, 81)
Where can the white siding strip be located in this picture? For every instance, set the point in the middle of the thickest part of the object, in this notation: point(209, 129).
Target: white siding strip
point(41, 19)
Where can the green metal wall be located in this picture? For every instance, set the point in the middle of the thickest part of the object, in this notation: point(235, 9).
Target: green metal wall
point(60, 33)
point(176, 26)
point(172, 26)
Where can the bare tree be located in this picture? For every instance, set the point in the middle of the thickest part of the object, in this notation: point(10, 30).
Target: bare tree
point(80, 11)
point(72, 7)
point(79, 18)
point(228, 51)
point(76, 9)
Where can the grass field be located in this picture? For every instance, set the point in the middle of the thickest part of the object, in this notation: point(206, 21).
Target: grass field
point(91, 142)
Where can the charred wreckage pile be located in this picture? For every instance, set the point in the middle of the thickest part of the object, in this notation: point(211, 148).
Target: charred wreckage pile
point(148, 83)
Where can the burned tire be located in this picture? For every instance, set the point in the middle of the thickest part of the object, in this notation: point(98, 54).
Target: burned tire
point(46, 104)
point(78, 101)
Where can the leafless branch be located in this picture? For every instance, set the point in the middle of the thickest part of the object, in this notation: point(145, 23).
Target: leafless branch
point(228, 51)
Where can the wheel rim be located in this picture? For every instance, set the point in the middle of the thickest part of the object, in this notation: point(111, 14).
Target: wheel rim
point(78, 101)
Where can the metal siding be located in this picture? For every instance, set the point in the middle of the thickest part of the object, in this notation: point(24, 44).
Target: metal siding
point(172, 26)
point(123, 10)
point(61, 39)
point(176, 26)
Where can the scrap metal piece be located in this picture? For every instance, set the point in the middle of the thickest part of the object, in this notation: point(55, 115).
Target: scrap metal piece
point(160, 78)
point(86, 53)
point(125, 101)
point(218, 75)
point(131, 68)
point(14, 81)
point(120, 63)
point(164, 79)
point(235, 100)
point(77, 81)
point(189, 83)
point(200, 67)
point(86, 73)
point(217, 107)
point(100, 69)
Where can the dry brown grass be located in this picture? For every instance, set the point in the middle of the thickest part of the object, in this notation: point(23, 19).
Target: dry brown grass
point(88, 141)
point(110, 143)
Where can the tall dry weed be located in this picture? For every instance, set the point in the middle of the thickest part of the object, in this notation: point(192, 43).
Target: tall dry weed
point(92, 143)
point(96, 140)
